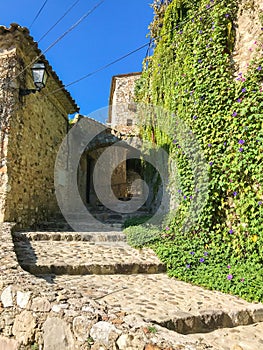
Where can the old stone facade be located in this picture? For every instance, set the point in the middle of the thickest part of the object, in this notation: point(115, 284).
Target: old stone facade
point(122, 109)
point(249, 28)
point(32, 128)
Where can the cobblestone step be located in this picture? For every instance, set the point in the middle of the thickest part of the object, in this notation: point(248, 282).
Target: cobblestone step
point(81, 257)
point(165, 301)
point(113, 236)
point(81, 225)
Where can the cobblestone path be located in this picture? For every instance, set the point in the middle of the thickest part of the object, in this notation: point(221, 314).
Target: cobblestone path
point(101, 265)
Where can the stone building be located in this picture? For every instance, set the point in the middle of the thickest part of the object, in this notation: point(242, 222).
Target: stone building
point(32, 128)
point(121, 126)
point(122, 109)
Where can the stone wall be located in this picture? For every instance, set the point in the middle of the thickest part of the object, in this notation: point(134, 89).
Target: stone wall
point(37, 314)
point(33, 128)
point(249, 27)
point(122, 113)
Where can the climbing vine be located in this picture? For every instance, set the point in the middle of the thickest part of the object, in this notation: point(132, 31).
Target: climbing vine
point(193, 75)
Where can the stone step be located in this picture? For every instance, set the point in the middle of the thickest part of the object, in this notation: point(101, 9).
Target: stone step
point(113, 236)
point(81, 258)
point(173, 304)
point(79, 225)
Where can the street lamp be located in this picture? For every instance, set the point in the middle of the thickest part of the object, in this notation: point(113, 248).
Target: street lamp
point(39, 74)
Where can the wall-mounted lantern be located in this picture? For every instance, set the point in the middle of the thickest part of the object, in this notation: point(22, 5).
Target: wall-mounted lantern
point(39, 74)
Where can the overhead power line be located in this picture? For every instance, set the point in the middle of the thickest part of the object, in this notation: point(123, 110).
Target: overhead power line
point(74, 26)
point(37, 15)
point(135, 50)
point(59, 20)
point(61, 37)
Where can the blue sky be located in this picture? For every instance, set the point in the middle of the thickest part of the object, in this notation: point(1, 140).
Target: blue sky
point(115, 28)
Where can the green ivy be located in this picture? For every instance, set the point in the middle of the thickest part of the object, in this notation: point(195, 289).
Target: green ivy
point(192, 74)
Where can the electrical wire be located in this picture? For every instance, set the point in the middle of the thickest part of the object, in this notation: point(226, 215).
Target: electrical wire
point(74, 26)
point(120, 58)
point(61, 37)
point(37, 15)
point(135, 50)
point(58, 21)
point(99, 69)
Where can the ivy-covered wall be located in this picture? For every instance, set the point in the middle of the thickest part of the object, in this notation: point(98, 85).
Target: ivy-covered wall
point(193, 74)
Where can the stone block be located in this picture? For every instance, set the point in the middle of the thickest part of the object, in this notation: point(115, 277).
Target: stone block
point(8, 344)
point(104, 332)
point(81, 327)
point(22, 299)
point(57, 335)
point(40, 304)
point(7, 297)
point(24, 327)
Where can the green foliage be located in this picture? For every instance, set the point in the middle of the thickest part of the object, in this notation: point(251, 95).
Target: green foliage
point(34, 346)
point(152, 329)
point(141, 235)
point(136, 221)
point(210, 263)
point(192, 74)
point(90, 342)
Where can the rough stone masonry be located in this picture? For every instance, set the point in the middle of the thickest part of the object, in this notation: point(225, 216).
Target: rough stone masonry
point(32, 129)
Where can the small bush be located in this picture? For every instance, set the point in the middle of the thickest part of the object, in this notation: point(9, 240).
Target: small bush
point(138, 236)
point(139, 220)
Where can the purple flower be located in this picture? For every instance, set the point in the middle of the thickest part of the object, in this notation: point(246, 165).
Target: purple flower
point(234, 114)
point(185, 197)
point(242, 279)
point(229, 266)
point(209, 145)
point(241, 142)
point(231, 231)
point(195, 117)
point(211, 163)
point(208, 6)
point(200, 32)
point(259, 68)
point(234, 194)
point(174, 141)
point(181, 32)
point(244, 90)
point(241, 149)
point(188, 266)
point(260, 203)
point(201, 260)
point(179, 191)
point(227, 15)
point(167, 228)
point(199, 61)
point(239, 100)
point(159, 65)
point(191, 197)
point(192, 253)
point(205, 253)
point(229, 277)
point(201, 18)
point(224, 143)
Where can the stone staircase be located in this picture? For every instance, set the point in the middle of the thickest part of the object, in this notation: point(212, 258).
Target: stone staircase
point(55, 249)
point(100, 265)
